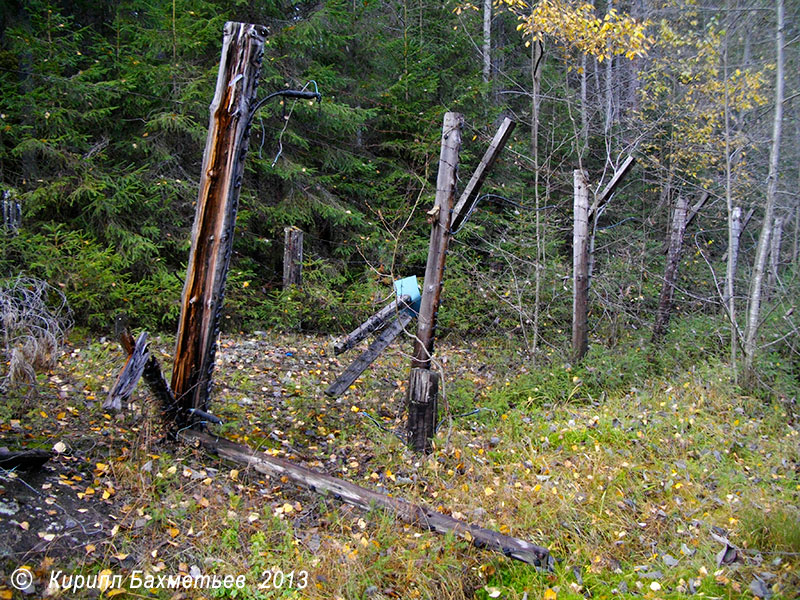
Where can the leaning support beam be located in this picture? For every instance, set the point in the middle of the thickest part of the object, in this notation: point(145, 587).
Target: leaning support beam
point(366, 358)
point(617, 178)
point(215, 217)
point(366, 499)
point(375, 322)
point(664, 310)
point(466, 202)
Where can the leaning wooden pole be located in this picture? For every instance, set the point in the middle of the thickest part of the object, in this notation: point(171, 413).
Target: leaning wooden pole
point(664, 309)
point(215, 217)
point(368, 499)
point(422, 409)
point(580, 266)
point(466, 203)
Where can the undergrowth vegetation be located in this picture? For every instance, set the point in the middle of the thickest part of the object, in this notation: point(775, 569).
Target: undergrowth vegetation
point(645, 478)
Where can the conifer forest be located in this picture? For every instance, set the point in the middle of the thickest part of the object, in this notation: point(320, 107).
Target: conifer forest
point(378, 299)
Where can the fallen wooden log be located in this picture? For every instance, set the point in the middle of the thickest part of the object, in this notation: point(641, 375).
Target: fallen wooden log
point(366, 358)
point(367, 499)
point(376, 321)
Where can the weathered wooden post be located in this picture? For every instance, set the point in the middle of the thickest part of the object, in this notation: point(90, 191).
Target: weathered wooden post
point(423, 386)
point(292, 257)
point(583, 238)
point(12, 213)
point(732, 257)
point(215, 217)
point(671, 269)
point(775, 240)
point(580, 266)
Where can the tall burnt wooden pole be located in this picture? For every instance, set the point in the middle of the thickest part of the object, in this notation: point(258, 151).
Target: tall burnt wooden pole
point(423, 383)
point(215, 217)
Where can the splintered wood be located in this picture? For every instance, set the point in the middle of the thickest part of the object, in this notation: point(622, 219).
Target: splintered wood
point(212, 234)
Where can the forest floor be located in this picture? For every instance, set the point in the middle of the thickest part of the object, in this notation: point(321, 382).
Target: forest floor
point(667, 487)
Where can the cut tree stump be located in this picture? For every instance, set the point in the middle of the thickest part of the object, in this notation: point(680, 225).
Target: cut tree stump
point(366, 499)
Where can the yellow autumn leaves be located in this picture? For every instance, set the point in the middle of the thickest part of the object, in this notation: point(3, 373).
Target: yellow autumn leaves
point(578, 27)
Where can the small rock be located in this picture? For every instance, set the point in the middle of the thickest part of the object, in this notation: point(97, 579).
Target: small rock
point(494, 441)
point(9, 508)
point(652, 575)
point(669, 560)
point(371, 590)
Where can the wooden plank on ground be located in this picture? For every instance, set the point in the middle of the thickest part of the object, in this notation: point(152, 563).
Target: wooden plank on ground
point(367, 499)
point(360, 364)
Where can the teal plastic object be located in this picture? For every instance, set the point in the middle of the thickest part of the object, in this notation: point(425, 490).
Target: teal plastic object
point(408, 286)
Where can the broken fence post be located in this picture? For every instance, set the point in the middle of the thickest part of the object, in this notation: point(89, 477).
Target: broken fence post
point(215, 217)
point(292, 257)
point(580, 266)
point(421, 423)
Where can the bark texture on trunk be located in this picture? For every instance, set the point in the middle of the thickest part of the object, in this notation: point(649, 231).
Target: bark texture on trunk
point(760, 261)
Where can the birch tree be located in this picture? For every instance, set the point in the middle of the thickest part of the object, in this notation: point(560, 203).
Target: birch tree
point(762, 251)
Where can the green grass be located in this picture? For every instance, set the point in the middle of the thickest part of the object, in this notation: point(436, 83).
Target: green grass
point(612, 470)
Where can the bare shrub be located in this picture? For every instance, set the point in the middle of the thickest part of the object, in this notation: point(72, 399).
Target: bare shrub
point(35, 318)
